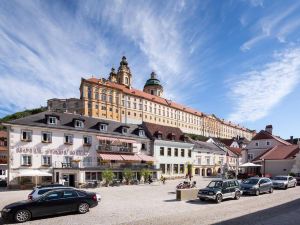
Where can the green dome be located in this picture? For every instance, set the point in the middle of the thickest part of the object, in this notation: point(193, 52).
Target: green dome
point(153, 81)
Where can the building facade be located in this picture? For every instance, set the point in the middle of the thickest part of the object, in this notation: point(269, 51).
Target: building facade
point(171, 149)
point(3, 147)
point(69, 105)
point(73, 150)
point(115, 99)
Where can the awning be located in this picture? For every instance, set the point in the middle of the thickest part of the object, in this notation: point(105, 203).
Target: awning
point(146, 158)
point(33, 173)
point(249, 165)
point(131, 157)
point(115, 139)
point(110, 157)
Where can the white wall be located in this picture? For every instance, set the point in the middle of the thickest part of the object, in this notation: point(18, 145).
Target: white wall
point(278, 167)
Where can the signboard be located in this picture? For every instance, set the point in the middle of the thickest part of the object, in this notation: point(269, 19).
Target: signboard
point(58, 151)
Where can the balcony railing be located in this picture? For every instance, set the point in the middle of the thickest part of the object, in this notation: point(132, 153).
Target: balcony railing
point(96, 165)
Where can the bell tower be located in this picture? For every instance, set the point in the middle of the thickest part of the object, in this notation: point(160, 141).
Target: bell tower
point(124, 75)
point(113, 76)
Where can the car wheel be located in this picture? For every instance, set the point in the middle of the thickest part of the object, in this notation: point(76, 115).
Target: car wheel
point(237, 195)
point(295, 184)
point(271, 190)
point(22, 216)
point(257, 192)
point(286, 187)
point(218, 198)
point(83, 208)
point(202, 199)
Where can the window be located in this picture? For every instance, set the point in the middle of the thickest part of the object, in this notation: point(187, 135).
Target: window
point(46, 137)
point(87, 161)
point(26, 135)
point(168, 168)
point(176, 152)
point(250, 156)
point(124, 130)
point(181, 168)
point(182, 152)
point(162, 151)
point(46, 160)
point(52, 120)
point(190, 153)
point(87, 140)
point(268, 143)
point(163, 168)
point(256, 144)
point(68, 159)
point(207, 158)
point(53, 196)
point(79, 124)
point(126, 80)
point(169, 152)
point(199, 160)
point(144, 146)
point(68, 139)
point(70, 194)
point(141, 133)
point(103, 127)
point(26, 160)
point(175, 168)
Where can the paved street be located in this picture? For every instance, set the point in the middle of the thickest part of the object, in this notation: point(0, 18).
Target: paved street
point(156, 204)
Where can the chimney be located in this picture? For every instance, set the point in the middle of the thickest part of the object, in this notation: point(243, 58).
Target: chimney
point(291, 139)
point(269, 128)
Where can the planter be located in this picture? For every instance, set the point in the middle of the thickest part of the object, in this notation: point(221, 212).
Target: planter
point(186, 194)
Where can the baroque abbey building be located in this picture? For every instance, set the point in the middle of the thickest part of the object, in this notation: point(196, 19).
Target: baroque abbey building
point(115, 99)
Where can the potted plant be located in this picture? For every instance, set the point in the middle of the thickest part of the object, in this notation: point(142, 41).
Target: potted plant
point(128, 174)
point(108, 176)
point(145, 173)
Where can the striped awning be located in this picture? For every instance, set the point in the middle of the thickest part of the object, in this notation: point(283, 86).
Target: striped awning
point(111, 157)
point(131, 157)
point(146, 158)
point(115, 139)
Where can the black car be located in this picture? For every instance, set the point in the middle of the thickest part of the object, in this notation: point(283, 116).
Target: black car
point(218, 190)
point(51, 203)
point(257, 185)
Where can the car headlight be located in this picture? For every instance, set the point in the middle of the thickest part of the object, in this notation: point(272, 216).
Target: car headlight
point(211, 193)
point(6, 210)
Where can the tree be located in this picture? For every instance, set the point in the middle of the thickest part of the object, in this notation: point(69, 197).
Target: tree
point(128, 174)
point(145, 173)
point(108, 176)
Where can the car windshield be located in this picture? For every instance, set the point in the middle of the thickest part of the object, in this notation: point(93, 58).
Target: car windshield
point(251, 181)
point(280, 178)
point(216, 184)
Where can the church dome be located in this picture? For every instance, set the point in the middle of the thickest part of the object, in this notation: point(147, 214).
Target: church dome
point(152, 81)
point(153, 86)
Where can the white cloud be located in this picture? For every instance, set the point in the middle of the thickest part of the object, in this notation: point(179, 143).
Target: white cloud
point(270, 26)
point(259, 91)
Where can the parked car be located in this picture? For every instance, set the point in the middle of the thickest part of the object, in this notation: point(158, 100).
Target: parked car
point(40, 190)
point(53, 202)
point(284, 182)
point(297, 177)
point(218, 190)
point(257, 185)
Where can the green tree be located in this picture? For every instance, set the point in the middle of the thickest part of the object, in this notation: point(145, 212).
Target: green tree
point(128, 174)
point(108, 176)
point(145, 173)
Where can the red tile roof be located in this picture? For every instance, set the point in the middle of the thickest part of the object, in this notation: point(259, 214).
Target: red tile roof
point(237, 151)
point(3, 133)
point(279, 152)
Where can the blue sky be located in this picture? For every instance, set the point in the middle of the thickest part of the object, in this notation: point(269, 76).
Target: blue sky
point(237, 59)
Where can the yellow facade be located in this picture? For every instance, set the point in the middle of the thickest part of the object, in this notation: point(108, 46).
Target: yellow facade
point(115, 100)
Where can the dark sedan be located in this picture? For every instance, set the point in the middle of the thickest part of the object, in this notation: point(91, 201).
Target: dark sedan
point(51, 203)
point(257, 185)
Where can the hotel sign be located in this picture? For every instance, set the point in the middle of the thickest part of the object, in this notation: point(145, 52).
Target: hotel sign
point(38, 150)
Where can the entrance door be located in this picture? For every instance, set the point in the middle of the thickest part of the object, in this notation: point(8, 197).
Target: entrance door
point(72, 180)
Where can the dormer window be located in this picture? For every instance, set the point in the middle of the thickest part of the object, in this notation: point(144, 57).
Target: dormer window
point(52, 120)
point(79, 124)
point(124, 130)
point(141, 133)
point(171, 136)
point(158, 135)
point(103, 127)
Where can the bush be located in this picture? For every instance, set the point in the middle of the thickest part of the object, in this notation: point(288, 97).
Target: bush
point(128, 174)
point(145, 173)
point(108, 176)
point(292, 174)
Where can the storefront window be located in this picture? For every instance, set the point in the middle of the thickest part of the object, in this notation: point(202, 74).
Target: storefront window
point(163, 168)
point(181, 168)
point(175, 168)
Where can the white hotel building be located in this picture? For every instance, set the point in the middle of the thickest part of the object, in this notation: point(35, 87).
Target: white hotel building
point(72, 149)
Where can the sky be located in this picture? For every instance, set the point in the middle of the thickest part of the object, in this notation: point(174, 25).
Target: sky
point(237, 59)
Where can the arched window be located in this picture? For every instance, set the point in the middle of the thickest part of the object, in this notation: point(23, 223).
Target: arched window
point(126, 80)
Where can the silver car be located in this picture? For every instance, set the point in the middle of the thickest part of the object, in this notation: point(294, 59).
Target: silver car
point(284, 182)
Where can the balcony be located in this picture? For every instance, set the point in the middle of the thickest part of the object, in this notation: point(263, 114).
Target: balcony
point(115, 149)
